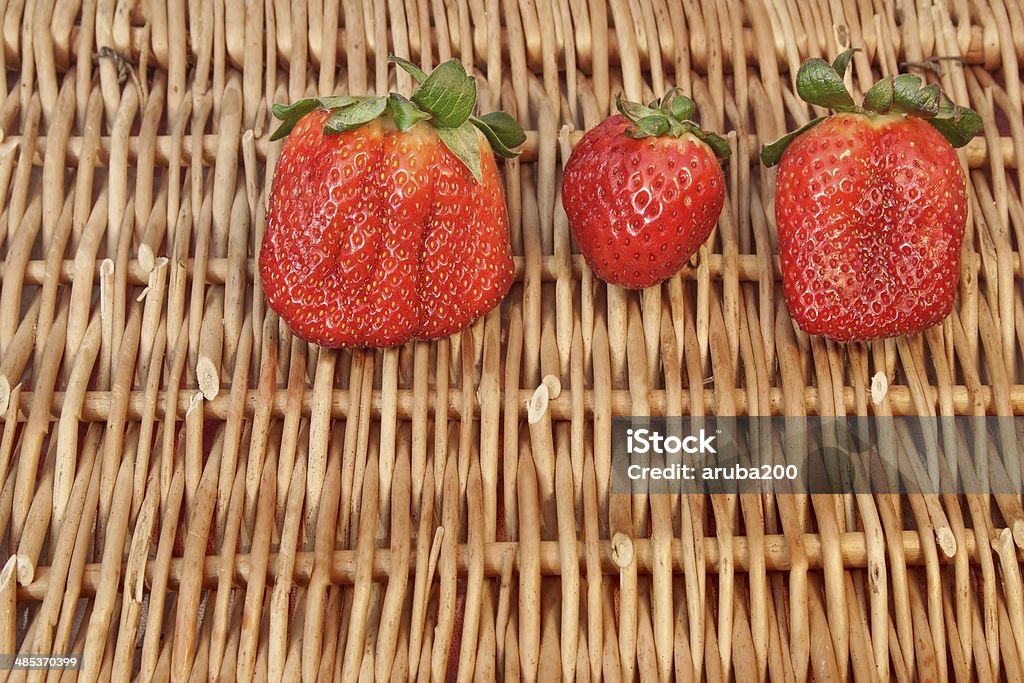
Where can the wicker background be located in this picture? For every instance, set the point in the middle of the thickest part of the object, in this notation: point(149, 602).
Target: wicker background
point(188, 491)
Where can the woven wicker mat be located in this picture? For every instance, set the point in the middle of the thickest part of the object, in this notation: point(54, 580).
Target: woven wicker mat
point(186, 490)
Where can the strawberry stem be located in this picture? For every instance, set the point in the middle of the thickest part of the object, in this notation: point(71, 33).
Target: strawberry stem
point(445, 98)
point(821, 84)
point(672, 115)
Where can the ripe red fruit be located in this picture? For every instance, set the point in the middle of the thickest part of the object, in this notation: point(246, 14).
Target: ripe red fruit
point(870, 207)
point(387, 219)
point(643, 190)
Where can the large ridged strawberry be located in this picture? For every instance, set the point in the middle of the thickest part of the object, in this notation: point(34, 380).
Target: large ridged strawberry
point(870, 206)
point(387, 218)
point(643, 190)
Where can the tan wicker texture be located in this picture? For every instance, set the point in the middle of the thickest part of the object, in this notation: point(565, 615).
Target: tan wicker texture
point(187, 491)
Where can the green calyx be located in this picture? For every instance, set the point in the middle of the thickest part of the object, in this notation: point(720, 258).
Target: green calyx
point(821, 84)
point(671, 115)
point(445, 98)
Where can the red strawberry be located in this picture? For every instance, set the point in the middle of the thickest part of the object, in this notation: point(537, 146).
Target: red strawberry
point(643, 190)
point(870, 206)
point(387, 219)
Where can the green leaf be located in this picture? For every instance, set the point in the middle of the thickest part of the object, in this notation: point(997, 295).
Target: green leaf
point(634, 111)
point(817, 82)
point(959, 129)
point(947, 107)
point(336, 101)
point(283, 129)
point(417, 73)
point(298, 108)
point(464, 143)
point(502, 131)
point(718, 144)
point(682, 108)
point(772, 152)
point(910, 98)
point(842, 62)
point(448, 94)
point(879, 98)
point(906, 94)
point(649, 126)
point(289, 115)
point(355, 115)
point(405, 113)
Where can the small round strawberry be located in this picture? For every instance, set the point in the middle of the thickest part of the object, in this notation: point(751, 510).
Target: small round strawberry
point(643, 190)
point(871, 205)
point(387, 218)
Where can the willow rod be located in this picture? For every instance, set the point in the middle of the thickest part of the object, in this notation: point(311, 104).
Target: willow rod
point(749, 268)
point(974, 55)
point(976, 150)
point(97, 404)
point(853, 549)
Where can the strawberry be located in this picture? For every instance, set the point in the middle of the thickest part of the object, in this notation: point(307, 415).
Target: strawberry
point(387, 219)
point(643, 190)
point(871, 205)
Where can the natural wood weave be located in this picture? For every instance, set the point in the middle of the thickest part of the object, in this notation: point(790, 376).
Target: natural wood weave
point(186, 491)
